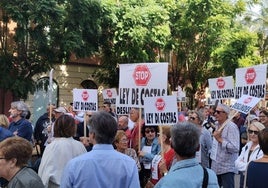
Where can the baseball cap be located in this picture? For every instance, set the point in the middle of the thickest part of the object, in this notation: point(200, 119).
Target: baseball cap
point(60, 110)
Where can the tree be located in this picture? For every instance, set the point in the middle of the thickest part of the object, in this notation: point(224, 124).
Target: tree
point(46, 32)
point(199, 29)
point(194, 36)
point(256, 19)
point(238, 51)
point(133, 31)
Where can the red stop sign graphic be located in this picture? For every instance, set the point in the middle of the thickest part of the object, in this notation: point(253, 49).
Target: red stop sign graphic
point(141, 75)
point(85, 95)
point(248, 100)
point(220, 83)
point(160, 104)
point(250, 75)
point(109, 93)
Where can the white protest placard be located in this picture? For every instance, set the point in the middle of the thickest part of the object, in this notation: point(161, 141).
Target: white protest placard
point(160, 110)
point(109, 95)
point(221, 88)
point(121, 109)
point(85, 100)
point(251, 81)
point(137, 81)
point(245, 103)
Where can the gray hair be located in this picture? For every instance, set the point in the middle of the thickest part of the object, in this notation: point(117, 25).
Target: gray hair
point(20, 106)
point(225, 108)
point(199, 115)
point(104, 126)
point(185, 139)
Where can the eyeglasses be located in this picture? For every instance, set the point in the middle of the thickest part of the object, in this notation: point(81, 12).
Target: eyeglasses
point(148, 131)
point(218, 111)
point(124, 140)
point(253, 132)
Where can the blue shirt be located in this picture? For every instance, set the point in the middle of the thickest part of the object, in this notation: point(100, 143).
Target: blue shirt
point(23, 128)
point(187, 174)
point(257, 175)
point(5, 133)
point(148, 157)
point(102, 167)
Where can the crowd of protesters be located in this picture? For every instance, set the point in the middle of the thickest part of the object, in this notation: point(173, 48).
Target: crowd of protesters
point(100, 149)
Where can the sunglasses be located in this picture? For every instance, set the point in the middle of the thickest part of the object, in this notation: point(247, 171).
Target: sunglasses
point(148, 131)
point(192, 118)
point(253, 132)
point(218, 111)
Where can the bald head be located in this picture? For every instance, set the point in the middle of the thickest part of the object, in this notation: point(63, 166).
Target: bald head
point(122, 122)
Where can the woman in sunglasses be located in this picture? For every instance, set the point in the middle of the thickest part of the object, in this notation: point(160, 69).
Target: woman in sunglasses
point(149, 148)
point(251, 151)
point(257, 170)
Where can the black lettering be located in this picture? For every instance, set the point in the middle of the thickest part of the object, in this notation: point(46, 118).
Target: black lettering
point(122, 110)
point(134, 97)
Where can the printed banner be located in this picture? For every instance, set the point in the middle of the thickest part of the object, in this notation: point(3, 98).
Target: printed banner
point(245, 103)
point(161, 110)
point(138, 81)
point(85, 100)
point(109, 95)
point(221, 88)
point(251, 81)
point(121, 109)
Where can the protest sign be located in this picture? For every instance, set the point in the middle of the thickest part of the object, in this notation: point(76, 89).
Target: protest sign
point(221, 88)
point(141, 80)
point(121, 109)
point(160, 110)
point(245, 103)
point(251, 81)
point(85, 100)
point(109, 95)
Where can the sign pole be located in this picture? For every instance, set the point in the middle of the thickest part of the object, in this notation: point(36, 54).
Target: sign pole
point(139, 130)
point(85, 125)
point(50, 95)
point(161, 141)
point(225, 123)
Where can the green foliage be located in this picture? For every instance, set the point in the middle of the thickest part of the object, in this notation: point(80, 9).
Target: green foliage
point(133, 31)
point(201, 38)
point(47, 32)
point(238, 51)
